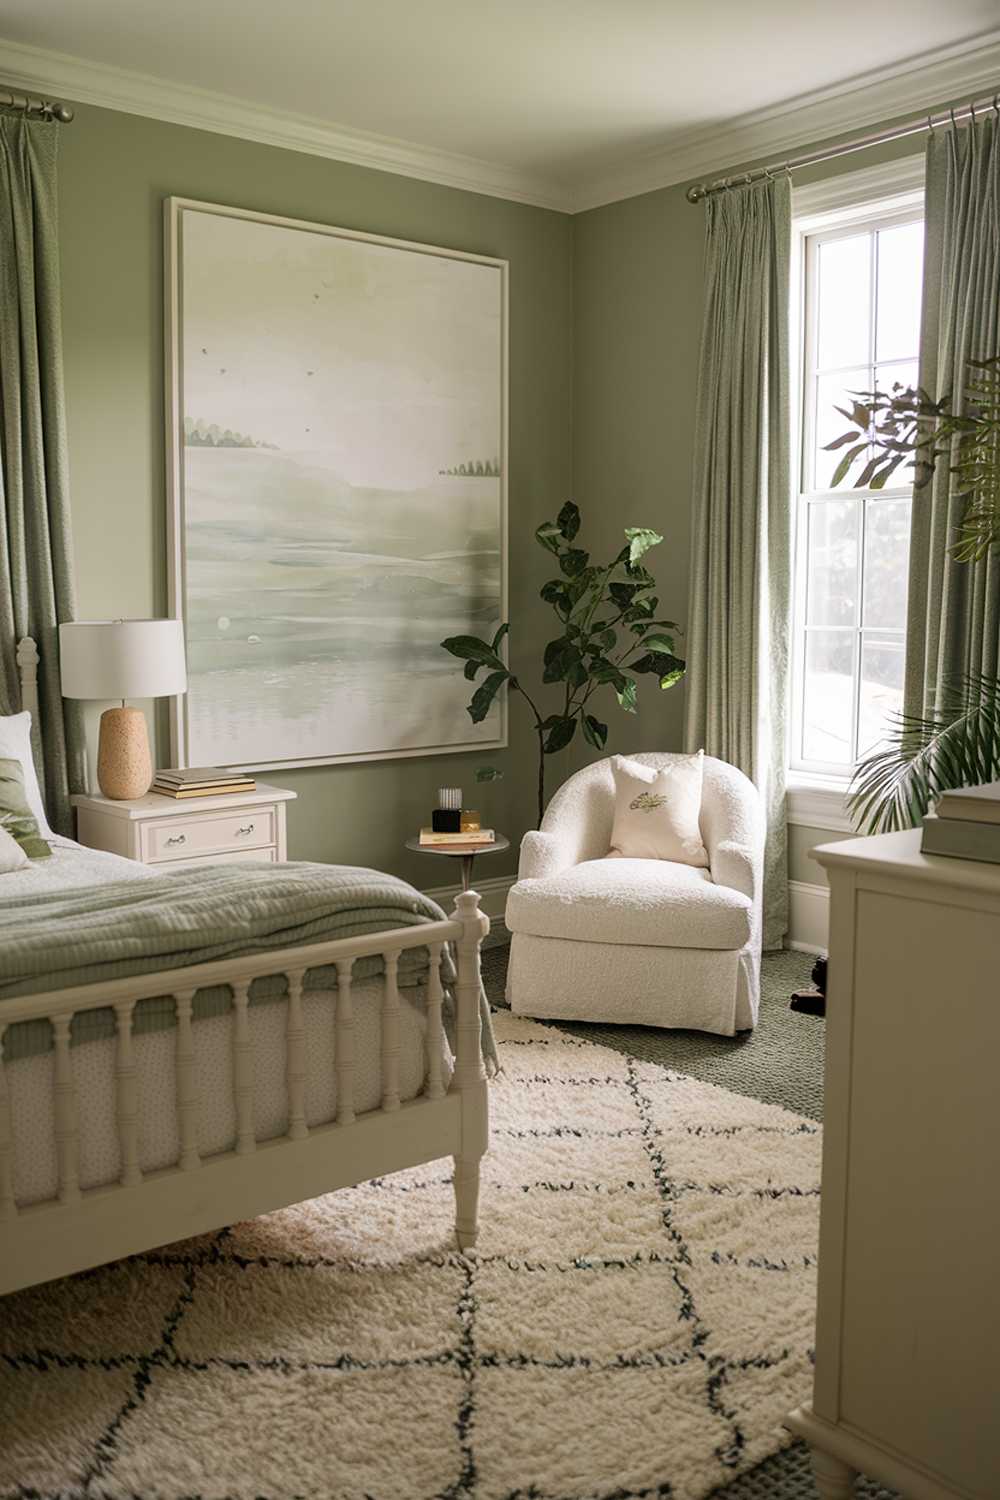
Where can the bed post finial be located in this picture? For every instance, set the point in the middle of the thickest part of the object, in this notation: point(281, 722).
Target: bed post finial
point(469, 1077)
point(26, 656)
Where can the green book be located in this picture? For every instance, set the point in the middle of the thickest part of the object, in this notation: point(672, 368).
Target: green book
point(959, 838)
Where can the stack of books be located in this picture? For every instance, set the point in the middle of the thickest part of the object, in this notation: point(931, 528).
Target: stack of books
point(202, 781)
point(966, 824)
point(469, 839)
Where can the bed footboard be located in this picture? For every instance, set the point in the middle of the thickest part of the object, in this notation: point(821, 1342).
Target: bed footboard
point(86, 1227)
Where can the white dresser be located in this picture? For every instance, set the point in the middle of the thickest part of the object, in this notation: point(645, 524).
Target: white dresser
point(188, 831)
point(907, 1381)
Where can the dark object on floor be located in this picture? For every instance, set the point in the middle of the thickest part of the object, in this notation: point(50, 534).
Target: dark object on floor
point(813, 1002)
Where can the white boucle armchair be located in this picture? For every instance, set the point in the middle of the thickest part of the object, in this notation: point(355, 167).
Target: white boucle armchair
point(643, 941)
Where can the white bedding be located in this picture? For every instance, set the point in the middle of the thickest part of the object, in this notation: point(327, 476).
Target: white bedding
point(30, 1080)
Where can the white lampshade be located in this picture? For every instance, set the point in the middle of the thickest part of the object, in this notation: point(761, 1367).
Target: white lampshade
point(122, 658)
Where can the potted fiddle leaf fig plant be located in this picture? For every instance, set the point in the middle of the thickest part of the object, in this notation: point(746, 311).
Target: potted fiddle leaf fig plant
point(609, 633)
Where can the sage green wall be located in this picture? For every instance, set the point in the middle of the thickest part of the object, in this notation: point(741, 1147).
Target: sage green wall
point(115, 171)
point(638, 282)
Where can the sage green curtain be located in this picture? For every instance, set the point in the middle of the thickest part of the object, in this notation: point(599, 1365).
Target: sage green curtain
point(953, 612)
point(36, 567)
point(737, 643)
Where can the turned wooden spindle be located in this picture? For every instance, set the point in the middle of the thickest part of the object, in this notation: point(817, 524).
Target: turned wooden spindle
point(187, 1083)
point(128, 1095)
point(246, 1140)
point(296, 1058)
point(390, 1033)
point(344, 1042)
point(67, 1137)
point(435, 1037)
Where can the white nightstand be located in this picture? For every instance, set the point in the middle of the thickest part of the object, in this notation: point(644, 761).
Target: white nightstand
point(188, 831)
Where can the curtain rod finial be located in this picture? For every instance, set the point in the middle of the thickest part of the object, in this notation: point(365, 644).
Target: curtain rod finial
point(695, 194)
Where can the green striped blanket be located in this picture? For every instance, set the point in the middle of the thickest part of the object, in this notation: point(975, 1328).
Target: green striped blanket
point(54, 939)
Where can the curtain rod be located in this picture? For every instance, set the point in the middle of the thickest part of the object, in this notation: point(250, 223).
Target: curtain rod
point(31, 104)
point(846, 148)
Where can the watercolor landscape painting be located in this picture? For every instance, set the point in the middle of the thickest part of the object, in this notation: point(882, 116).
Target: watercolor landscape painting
point(339, 491)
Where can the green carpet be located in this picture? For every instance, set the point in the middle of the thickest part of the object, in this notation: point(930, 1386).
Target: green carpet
point(781, 1062)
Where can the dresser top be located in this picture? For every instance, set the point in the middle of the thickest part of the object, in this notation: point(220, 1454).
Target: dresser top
point(154, 805)
point(899, 854)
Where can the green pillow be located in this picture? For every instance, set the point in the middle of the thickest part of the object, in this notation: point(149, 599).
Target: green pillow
point(16, 815)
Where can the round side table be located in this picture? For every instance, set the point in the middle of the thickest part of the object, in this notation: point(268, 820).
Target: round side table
point(465, 852)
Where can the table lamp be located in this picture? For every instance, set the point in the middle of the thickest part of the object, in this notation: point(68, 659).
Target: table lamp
point(123, 659)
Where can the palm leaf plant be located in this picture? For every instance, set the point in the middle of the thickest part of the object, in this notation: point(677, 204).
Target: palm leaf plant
point(958, 743)
point(609, 632)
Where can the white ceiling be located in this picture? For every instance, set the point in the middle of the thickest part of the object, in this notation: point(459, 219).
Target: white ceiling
point(560, 93)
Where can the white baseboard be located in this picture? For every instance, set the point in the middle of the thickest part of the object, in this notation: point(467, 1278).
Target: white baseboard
point(493, 900)
point(808, 917)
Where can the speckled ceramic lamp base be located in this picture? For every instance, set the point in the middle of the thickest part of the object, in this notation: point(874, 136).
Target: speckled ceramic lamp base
point(124, 767)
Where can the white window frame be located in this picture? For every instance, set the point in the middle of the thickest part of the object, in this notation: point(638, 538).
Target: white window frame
point(890, 192)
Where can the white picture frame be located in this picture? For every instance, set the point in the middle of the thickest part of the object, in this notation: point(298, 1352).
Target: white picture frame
point(185, 218)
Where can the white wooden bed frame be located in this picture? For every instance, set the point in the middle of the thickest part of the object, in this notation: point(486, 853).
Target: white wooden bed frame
point(82, 1228)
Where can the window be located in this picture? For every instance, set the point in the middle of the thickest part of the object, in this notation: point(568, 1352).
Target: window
point(859, 319)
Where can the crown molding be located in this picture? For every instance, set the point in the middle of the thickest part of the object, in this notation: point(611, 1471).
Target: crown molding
point(84, 82)
point(909, 88)
point(912, 87)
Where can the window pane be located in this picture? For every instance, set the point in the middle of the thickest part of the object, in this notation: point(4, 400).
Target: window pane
point(881, 689)
point(833, 391)
point(887, 548)
point(828, 696)
point(900, 268)
point(844, 302)
point(832, 576)
point(902, 372)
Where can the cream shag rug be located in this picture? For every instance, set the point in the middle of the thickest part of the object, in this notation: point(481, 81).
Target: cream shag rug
point(636, 1321)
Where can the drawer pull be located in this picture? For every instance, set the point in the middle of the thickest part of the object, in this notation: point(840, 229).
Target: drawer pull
point(246, 828)
point(178, 838)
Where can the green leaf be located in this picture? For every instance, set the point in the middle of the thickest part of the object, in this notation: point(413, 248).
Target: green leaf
point(559, 735)
point(607, 640)
point(656, 641)
point(847, 459)
point(594, 732)
point(483, 697)
point(623, 593)
point(499, 637)
point(549, 535)
point(626, 696)
point(574, 561)
point(672, 678)
point(559, 659)
point(556, 593)
point(473, 649)
point(488, 773)
point(471, 668)
point(663, 663)
point(602, 670)
point(569, 520)
point(640, 539)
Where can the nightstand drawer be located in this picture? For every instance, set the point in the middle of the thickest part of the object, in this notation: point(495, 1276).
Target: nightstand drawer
point(214, 833)
point(235, 857)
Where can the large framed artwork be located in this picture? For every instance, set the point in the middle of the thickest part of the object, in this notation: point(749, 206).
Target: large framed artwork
point(337, 455)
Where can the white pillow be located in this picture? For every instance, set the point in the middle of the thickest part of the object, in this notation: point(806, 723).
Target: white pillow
point(12, 856)
point(656, 812)
point(15, 744)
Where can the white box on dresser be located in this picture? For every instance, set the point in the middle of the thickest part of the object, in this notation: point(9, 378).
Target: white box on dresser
point(907, 1381)
point(159, 830)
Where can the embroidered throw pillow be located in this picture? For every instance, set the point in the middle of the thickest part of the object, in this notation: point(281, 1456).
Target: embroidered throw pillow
point(15, 814)
point(12, 856)
point(656, 812)
point(15, 742)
